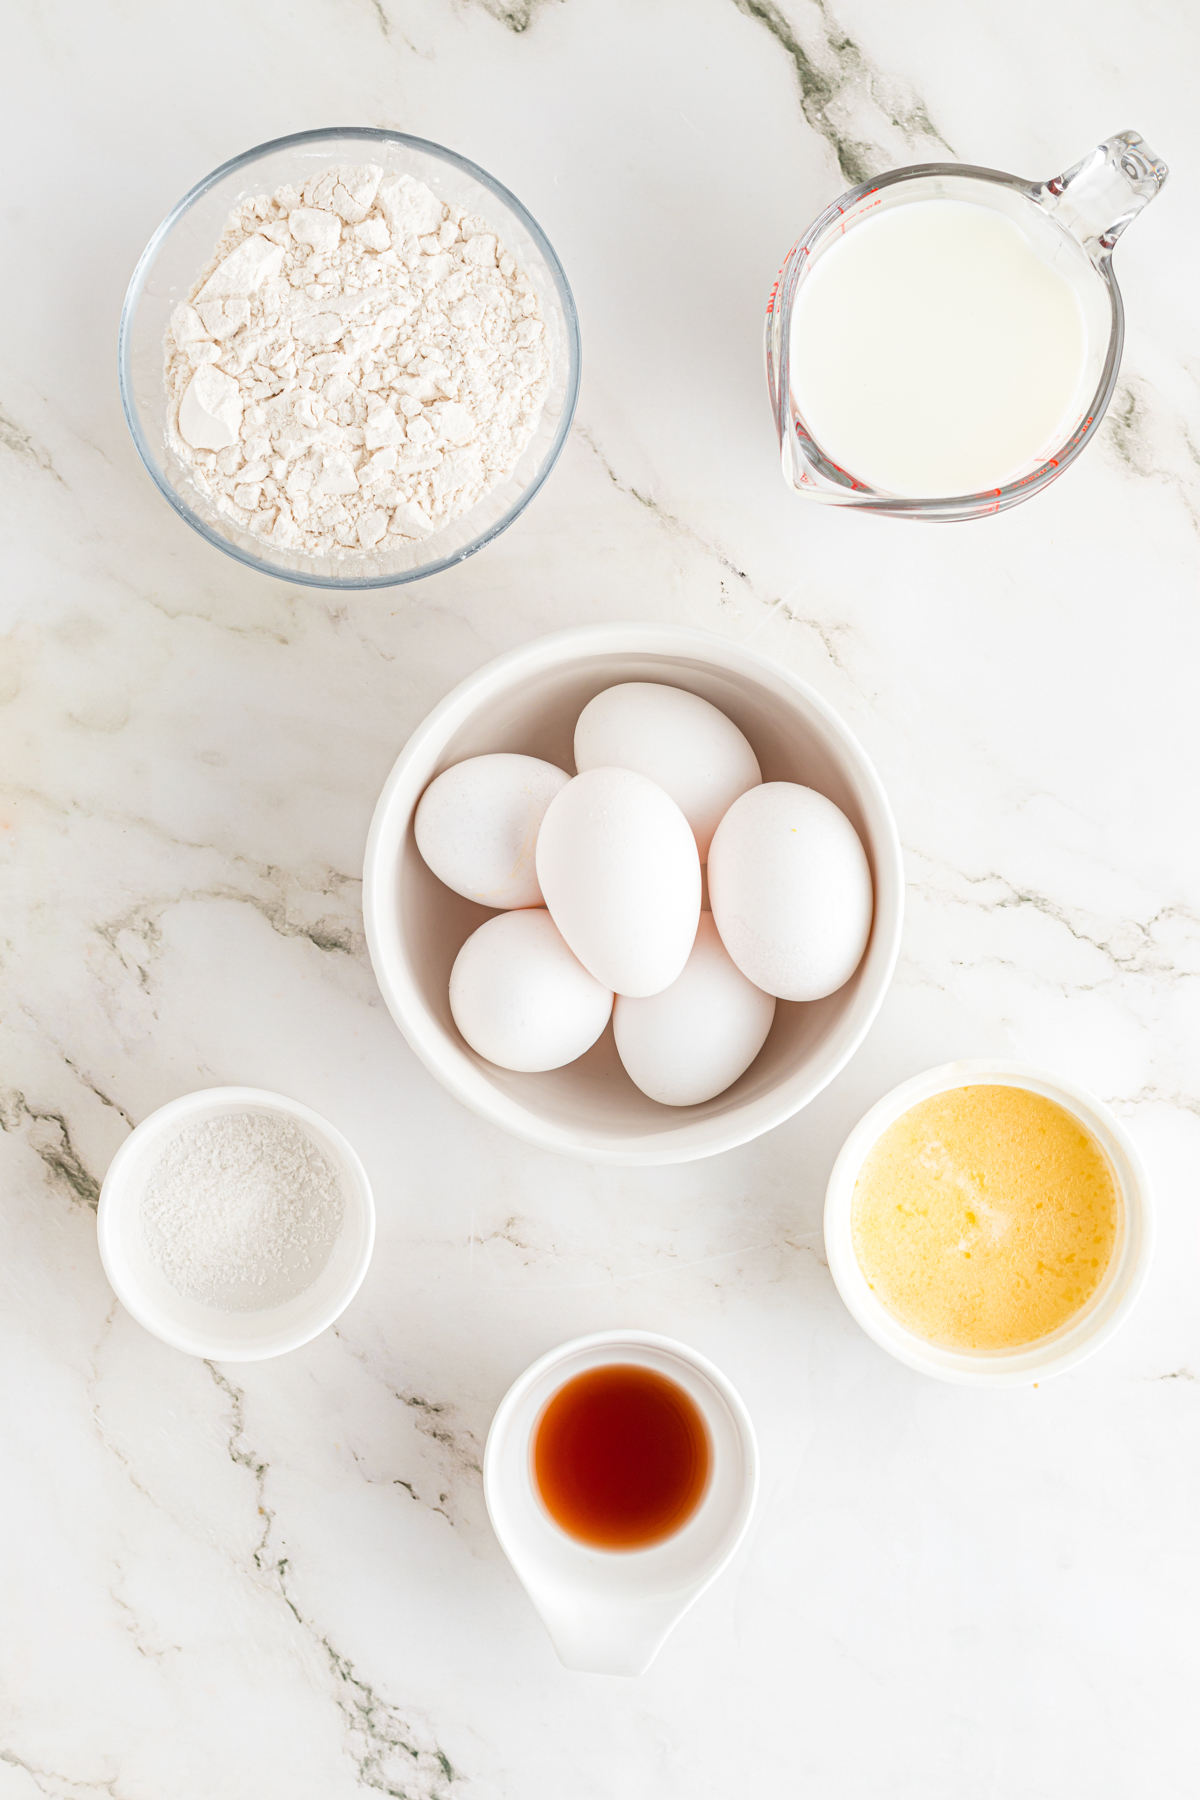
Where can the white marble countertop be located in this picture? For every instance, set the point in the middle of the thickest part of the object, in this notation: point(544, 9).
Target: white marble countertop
point(279, 1580)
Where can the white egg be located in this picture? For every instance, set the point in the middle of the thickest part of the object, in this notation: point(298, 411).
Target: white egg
point(674, 738)
point(617, 864)
point(790, 889)
point(694, 1039)
point(521, 999)
point(477, 825)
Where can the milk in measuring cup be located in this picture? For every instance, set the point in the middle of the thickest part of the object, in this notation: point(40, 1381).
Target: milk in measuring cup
point(936, 351)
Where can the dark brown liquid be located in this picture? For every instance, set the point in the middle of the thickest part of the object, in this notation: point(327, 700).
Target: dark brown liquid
point(620, 1457)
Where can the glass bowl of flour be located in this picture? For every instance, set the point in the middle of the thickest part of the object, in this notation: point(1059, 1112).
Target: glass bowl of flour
point(235, 1224)
point(349, 358)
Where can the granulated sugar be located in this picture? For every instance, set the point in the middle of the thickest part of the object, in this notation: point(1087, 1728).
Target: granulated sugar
point(359, 363)
point(241, 1211)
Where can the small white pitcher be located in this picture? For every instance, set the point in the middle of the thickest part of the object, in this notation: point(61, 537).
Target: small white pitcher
point(608, 1611)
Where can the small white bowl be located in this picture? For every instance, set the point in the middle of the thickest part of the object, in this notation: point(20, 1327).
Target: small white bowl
point(529, 701)
point(206, 1331)
point(608, 1611)
point(1063, 1349)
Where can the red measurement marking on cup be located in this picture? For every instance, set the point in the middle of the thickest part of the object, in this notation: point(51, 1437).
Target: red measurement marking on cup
point(805, 437)
point(779, 276)
point(865, 205)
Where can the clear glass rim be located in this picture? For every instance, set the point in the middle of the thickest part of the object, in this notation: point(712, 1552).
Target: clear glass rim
point(949, 507)
point(368, 134)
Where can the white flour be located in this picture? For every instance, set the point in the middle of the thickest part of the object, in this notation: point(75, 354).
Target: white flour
point(357, 362)
point(241, 1211)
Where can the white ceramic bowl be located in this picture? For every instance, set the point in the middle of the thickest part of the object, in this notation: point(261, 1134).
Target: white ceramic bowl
point(203, 1330)
point(529, 701)
point(608, 1611)
point(1109, 1307)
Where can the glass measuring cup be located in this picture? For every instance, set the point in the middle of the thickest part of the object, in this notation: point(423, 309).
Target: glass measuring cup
point(1073, 220)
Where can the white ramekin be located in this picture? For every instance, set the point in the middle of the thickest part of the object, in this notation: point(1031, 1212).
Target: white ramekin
point(608, 1612)
point(528, 701)
point(1072, 1342)
point(205, 1331)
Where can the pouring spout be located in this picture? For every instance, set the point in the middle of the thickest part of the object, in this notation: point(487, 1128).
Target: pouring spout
point(1097, 198)
point(597, 1635)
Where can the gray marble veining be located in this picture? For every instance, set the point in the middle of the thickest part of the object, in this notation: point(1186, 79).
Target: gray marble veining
point(265, 1581)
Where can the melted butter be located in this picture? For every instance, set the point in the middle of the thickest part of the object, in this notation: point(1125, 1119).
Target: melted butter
point(984, 1218)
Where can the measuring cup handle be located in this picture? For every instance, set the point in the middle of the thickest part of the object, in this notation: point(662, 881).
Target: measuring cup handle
point(1096, 199)
point(606, 1635)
